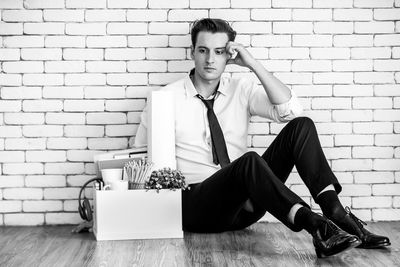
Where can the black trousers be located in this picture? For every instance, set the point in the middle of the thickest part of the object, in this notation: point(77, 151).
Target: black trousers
point(216, 204)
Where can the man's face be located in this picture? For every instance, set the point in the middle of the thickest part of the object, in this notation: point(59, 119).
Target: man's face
point(209, 55)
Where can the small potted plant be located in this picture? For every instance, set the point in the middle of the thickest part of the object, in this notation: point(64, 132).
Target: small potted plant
point(166, 178)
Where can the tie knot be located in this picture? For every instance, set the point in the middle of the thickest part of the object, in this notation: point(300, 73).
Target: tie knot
point(209, 103)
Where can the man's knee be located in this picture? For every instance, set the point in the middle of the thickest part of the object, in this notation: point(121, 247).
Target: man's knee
point(252, 156)
point(303, 124)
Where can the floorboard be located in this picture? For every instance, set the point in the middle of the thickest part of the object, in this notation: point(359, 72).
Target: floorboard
point(263, 244)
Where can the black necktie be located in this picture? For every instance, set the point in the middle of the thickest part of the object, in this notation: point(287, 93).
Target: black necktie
point(220, 153)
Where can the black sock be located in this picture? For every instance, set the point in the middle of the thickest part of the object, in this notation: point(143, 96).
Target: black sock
point(330, 205)
point(307, 219)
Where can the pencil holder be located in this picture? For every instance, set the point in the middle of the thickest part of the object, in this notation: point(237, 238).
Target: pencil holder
point(133, 185)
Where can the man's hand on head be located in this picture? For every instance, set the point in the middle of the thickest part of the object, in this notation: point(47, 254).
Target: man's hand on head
point(239, 55)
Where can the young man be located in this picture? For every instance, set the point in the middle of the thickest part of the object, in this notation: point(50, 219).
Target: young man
point(231, 188)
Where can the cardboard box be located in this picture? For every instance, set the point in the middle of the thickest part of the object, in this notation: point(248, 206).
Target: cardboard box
point(137, 214)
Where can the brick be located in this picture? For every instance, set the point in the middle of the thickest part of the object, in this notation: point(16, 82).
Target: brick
point(311, 65)
point(45, 156)
point(64, 168)
point(105, 118)
point(22, 15)
point(22, 193)
point(352, 115)
point(396, 202)
point(386, 115)
point(291, 3)
point(352, 14)
point(70, 205)
point(64, 66)
point(85, 4)
point(372, 152)
point(41, 4)
point(387, 65)
point(10, 206)
point(10, 131)
point(386, 189)
point(311, 14)
point(397, 127)
point(24, 118)
point(338, 153)
point(64, 15)
point(334, 128)
point(373, 127)
point(371, 52)
point(25, 143)
point(180, 66)
point(43, 28)
point(85, 28)
point(9, 54)
point(81, 155)
point(62, 92)
point(11, 28)
point(312, 90)
point(121, 130)
point(65, 41)
point(107, 143)
point(83, 105)
point(387, 40)
point(152, 15)
point(164, 78)
point(209, 4)
point(63, 218)
point(104, 92)
point(387, 164)
point(387, 139)
point(354, 40)
point(43, 79)
point(61, 193)
point(385, 90)
point(21, 92)
point(65, 118)
point(373, 77)
point(85, 79)
point(183, 15)
point(66, 143)
point(374, 27)
point(333, 27)
point(42, 130)
point(312, 40)
point(147, 66)
point(257, 27)
point(24, 219)
point(41, 205)
point(106, 41)
point(271, 14)
point(386, 14)
point(333, 78)
point(292, 27)
point(10, 105)
point(288, 53)
point(106, 66)
point(23, 41)
point(372, 103)
point(125, 28)
point(180, 41)
point(354, 139)
point(373, 3)
point(41, 53)
point(11, 4)
point(148, 41)
point(45, 181)
point(42, 105)
point(22, 168)
point(165, 53)
point(126, 4)
point(134, 117)
point(10, 79)
point(373, 177)
point(271, 40)
point(83, 131)
point(125, 105)
point(352, 65)
point(124, 53)
point(336, 4)
point(386, 214)
point(105, 15)
point(23, 67)
point(351, 165)
point(330, 53)
point(168, 28)
point(12, 156)
point(356, 190)
point(127, 79)
point(83, 54)
point(372, 202)
point(11, 181)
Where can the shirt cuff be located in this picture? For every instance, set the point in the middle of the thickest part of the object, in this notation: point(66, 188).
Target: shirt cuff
point(291, 109)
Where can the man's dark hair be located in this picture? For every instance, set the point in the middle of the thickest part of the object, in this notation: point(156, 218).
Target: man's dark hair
point(213, 26)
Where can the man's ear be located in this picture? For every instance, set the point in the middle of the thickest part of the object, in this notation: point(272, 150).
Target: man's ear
point(191, 52)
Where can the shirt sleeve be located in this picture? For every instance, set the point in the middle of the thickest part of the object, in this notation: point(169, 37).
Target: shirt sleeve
point(260, 105)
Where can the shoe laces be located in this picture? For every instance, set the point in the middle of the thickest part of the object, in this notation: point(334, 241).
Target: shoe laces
point(358, 221)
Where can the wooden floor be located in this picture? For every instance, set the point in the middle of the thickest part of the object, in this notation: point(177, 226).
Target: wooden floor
point(263, 244)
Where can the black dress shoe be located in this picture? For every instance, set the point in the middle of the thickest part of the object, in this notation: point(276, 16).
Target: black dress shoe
point(353, 225)
point(329, 240)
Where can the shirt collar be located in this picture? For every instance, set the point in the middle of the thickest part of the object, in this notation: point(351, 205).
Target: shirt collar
point(192, 92)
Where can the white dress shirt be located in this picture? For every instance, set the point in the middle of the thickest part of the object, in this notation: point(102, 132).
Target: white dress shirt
point(236, 101)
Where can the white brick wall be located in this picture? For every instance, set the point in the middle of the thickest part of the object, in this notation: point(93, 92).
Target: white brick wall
point(74, 75)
